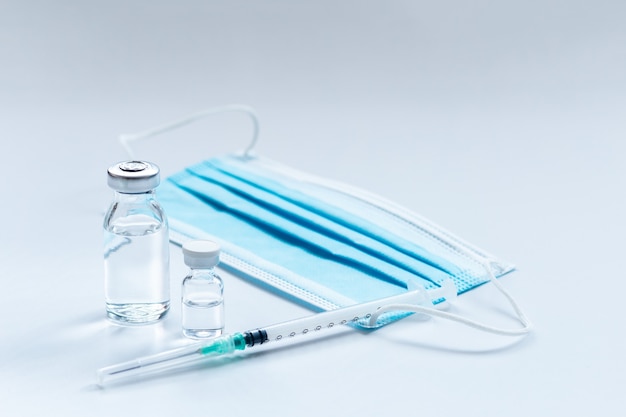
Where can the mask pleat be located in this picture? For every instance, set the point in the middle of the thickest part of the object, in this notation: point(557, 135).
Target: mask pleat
point(325, 266)
point(325, 231)
point(377, 237)
point(293, 234)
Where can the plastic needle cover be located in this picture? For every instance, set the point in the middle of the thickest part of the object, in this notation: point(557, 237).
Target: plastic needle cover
point(171, 359)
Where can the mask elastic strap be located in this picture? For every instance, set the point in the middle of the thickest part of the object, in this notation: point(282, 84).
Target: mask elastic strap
point(125, 139)
point(526, 324)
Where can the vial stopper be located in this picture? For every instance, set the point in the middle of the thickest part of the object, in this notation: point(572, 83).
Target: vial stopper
point(201, 253)
point(133, 177)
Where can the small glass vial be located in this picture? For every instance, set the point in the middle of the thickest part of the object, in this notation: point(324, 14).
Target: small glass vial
point(202, 291)
point(136, 247)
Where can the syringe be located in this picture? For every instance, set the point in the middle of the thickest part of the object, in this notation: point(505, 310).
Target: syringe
point(366, 314)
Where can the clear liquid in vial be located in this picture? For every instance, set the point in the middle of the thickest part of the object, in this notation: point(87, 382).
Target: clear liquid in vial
point(203, 315)
point(136, 276)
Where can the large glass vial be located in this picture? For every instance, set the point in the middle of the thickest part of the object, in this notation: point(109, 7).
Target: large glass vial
point(202, 291)
point(136, 246)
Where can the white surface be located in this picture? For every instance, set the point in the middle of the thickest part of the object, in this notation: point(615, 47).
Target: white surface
point(502, 122)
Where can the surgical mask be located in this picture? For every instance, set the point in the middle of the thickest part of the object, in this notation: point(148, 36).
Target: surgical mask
point(316, 241)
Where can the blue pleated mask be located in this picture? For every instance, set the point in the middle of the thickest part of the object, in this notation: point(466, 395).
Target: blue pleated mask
point(316, 241)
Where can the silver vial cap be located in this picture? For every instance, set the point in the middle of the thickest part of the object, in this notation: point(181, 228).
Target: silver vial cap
point(133, 177)
point(201, 253)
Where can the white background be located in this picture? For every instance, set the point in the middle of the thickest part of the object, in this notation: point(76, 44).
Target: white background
point(502, 121)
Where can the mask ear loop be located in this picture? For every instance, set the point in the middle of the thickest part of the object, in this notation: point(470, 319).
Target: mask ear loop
point(125, 138)
point(526, 324)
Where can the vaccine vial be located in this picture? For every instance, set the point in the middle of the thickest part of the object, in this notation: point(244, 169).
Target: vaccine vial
point(136, 246)
point(202, 291)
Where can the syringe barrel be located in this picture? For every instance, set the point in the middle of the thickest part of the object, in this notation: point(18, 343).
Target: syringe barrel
point(345, 315)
